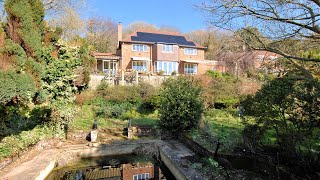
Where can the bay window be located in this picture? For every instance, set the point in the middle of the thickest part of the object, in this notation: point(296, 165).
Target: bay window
point(167, 67)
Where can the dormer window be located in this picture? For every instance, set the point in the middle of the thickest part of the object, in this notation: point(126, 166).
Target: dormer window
point(167, 48)
point(190, 51)
point(139, 47)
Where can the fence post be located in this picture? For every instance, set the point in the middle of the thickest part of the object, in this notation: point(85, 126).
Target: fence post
point(122, 82)
point(137, 77)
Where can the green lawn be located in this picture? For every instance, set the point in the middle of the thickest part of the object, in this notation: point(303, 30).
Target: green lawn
point(145, 121)
point(85, 119)
point(219, 125)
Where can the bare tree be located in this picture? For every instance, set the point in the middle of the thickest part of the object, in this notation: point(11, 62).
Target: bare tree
point(143, 26)
point(286, 23)
point(140, 25)
point(59, 6)
point(170, 29)
point(66, 14)
point(102, 34)
point(215, 41)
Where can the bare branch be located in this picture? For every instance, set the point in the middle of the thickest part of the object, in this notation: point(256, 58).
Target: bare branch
point(317, 2)
point(279, 21)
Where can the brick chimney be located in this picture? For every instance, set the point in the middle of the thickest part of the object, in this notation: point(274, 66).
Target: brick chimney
point(119, 33)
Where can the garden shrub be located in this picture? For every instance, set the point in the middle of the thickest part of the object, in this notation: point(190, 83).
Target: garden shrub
point(290, 108)
point(131, 114)
point(144, 121)
point(84, 97)
point(15, 87)
point(15, 119)
point(14, 144)
point(122, 94)
point(148, 95)
point(133, 94)
point(180, 104)
point(102, 89)
point(42, 96)
point(109, 109)
point(214, 74)
point(146, 90)
point(35, 69)
point(62, 114)
point(220, 91)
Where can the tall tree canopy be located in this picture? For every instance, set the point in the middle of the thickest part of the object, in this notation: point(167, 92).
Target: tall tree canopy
point(278, 20)
point(66, 14)
point(140, 25)
point(102, 34)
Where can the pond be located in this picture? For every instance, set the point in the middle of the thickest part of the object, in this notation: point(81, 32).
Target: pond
point(125, 167)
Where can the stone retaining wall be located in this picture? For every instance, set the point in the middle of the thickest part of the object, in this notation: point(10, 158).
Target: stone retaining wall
point(173, 159)
point(156, 81)
point(41, 166)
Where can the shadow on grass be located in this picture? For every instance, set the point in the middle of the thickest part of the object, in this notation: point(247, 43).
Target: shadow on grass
point(13, 121)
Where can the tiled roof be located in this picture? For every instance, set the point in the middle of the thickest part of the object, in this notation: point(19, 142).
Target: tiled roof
point(105, 56)
point(248, 55)
point(160, 37)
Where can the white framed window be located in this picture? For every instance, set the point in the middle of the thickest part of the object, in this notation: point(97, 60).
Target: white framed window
point(140, 65)
point(139, 47)
point(190, 68)
point(190, 51)
point(144, 176)
point(109, 67)
point(167, 67)
point(167, 48)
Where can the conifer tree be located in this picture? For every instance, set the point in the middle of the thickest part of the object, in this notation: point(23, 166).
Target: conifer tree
point(25, 25)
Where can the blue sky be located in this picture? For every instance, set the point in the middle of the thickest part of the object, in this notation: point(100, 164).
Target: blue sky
point(181, 14)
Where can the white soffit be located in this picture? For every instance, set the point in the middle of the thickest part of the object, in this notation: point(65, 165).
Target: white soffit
point(201, 61)
point(210, 61)
point(140, 59)
point(193, 61)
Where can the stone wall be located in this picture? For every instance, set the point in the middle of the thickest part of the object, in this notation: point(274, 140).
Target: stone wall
point(156, 81)
point(41, 165)
point(95, 80)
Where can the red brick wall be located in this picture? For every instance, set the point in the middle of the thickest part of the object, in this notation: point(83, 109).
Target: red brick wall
point(181, 67)
point(199, 56)
point(128, 171)
point(154, 57)
point(154, 52)
point(170, 56)
point(204, 67)
point(127, 54)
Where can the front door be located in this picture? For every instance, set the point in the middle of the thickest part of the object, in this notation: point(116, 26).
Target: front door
point(110, 67)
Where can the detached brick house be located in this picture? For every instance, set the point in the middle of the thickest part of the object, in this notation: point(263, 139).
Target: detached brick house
point(156, 53)
point(238, 62)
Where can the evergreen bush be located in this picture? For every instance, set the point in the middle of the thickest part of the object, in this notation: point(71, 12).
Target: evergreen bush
point(15, 87)
point(180, 104)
